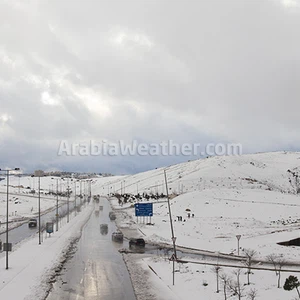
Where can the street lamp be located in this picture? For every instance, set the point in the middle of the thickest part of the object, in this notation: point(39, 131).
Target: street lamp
point(39, 174)
point(68, 200)
point(56, 202)
point(91, 189)
point(7, 193)
point(80, 182)
point(19, 183)
point(75, 196)
point(238, 237)
point(84, 190)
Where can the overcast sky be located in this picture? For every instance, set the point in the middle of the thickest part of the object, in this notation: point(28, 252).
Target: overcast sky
point(191, 71)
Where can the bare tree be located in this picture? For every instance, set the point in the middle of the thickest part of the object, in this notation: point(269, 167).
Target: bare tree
point(250, 254)
point(235, 286)
point(216, 269)
point(278, 262)
point(252, 294)
point(225, 279)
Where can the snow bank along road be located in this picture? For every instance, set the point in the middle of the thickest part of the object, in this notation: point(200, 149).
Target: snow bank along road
point(31, 266)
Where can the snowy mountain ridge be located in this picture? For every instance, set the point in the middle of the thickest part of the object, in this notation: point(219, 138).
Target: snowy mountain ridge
point(276, 171)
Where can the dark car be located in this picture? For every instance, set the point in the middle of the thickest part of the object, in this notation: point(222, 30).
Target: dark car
point(32, 223)
point(112, 215)
point(137, 243)
point(103, 228)
point(117, 236)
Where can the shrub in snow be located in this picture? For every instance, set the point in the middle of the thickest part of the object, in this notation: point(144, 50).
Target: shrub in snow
point(292, 283)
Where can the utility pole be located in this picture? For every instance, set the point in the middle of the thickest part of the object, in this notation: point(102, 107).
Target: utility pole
point(80, 192)
point(84, 190)
point(39, 209)
point(68, 199)
point(75, 196)
point(39, 173)
point(56, 204)
point(238, 237)
point(90, 189)
point(172, 229)
point(7, 198)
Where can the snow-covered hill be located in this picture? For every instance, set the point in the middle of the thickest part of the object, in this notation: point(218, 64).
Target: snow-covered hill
point(267, 171)
point(252, 195)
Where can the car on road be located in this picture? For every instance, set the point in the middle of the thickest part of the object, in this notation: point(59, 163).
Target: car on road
point(32, 223)
point(117, 236)
point(112, 215)
point(103, 228)
point(139, 242)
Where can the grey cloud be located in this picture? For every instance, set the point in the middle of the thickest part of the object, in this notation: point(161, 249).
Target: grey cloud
point(149, 70)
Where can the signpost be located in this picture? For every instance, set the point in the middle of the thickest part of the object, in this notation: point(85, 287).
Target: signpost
point(144, 210)
point(7, 246)
point(173, 258)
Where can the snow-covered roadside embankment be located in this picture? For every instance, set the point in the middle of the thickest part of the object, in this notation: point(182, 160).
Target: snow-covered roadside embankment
point(32, 266)
point(146, 283)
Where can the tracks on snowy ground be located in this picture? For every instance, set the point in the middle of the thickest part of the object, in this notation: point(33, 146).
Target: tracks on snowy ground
point(67, 254)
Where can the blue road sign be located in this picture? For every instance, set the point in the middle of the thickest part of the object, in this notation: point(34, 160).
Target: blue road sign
point(143, 209)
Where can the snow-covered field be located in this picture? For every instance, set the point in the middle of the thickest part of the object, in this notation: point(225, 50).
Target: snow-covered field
point(254, 196)
point(220, 215)
point(262, 208)
point(199, 281)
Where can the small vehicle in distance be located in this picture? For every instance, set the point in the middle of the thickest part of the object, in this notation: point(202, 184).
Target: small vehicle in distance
point(103, 228)
point(32, 223)
point(139, 242)
point(117, 236)
point(112, 215)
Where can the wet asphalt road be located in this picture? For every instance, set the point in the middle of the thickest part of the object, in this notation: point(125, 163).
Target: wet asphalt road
point(97, 270)
point(22, 232)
